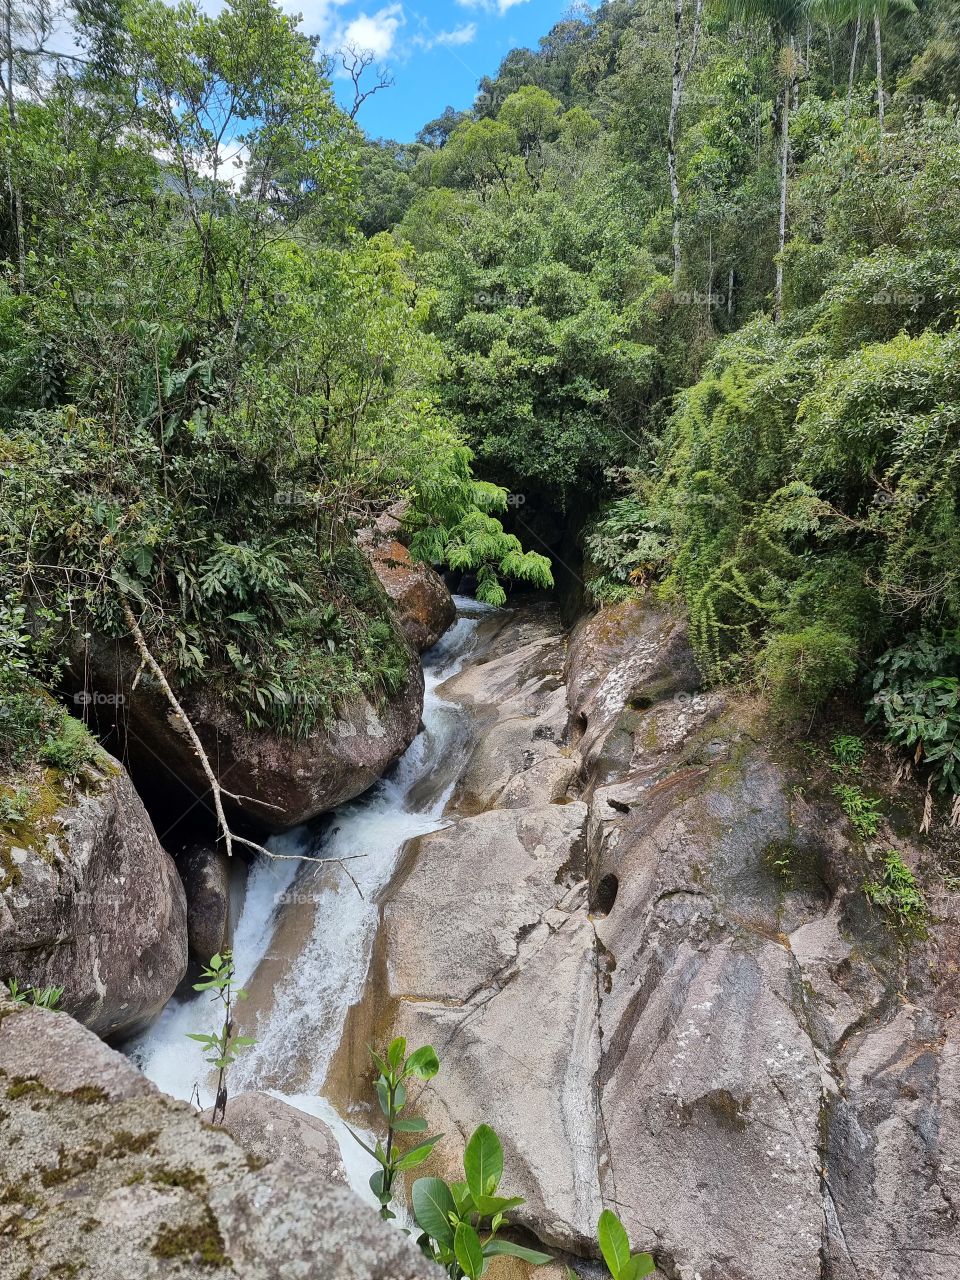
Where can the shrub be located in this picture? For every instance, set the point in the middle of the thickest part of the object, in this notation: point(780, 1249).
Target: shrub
point(897, 893)
point(803, 668)
point(916, 697)
point(864, 813)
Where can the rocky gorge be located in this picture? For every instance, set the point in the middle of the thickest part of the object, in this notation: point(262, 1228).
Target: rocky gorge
point(629, 914)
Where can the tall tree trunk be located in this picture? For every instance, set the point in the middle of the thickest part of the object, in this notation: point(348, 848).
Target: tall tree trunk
point(680, 72)
point(16, 204)
point(853, 65)
point(788, 90)
point(879, 44)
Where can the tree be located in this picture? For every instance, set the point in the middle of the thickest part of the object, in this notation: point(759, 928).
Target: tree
point(682, 66)
point(784, 18)
point(356, 62)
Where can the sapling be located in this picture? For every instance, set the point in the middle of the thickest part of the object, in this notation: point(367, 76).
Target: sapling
point(39, 997)
point(395, 1068)
point(221, 1048)
point(615, 1247)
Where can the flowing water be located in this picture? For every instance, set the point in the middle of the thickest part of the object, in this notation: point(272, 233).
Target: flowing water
point(305, 933)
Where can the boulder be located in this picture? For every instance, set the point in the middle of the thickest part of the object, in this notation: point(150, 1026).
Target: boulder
point(104, 1176)
point(271, 1129)
point(205, 872)
point(420, 596)
point(277, 781)
point(644, 955)
point(92, 903)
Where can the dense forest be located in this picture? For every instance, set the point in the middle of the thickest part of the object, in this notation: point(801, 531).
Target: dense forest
point(683, 282)
point(650, 846)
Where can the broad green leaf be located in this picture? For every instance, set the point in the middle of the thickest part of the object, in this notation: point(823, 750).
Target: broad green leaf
point(614, 1244)
point(432, 1206)
point(378, 1184)
point(383, 1094)
point(506, 1248)
point(423, 1063)
point(418, 1154)
point(483, 1162)
point(396, 1051)
point(641, 1264)
point(490, 1205)
point(467, 1247)
point(464, 1200)
point(413, 1124)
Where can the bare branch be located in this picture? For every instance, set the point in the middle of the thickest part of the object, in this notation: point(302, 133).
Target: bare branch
point(356, 62)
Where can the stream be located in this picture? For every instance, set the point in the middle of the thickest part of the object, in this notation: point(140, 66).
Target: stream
point(304, 935)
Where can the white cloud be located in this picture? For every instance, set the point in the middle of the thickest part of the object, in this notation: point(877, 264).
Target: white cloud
point(459, 35)
point(490, 6)
point(376, 32)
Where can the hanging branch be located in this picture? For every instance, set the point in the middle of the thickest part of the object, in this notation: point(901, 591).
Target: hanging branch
point(216, 790)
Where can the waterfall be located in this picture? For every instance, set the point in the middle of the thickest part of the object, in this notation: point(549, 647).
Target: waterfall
point(308, 984)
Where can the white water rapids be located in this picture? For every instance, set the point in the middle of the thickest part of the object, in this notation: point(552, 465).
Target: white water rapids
point(303, 1020)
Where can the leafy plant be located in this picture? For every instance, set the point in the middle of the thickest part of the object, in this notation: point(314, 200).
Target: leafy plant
point(221, 1047)
point(395, 1068)
point(15, 806)
point(460, 1222)
point(615, 1247)
point(865, 813)
point(39, 997)
point(916, 697)
point(897, 892)
point(848, 751)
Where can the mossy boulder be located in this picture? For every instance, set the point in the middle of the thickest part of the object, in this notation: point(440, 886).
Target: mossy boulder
point(90, 901)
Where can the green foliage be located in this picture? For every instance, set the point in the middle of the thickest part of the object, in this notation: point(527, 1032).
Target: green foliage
point(897, 894)
point(38, 997)
point(459, 1223)
point(865, 814)
point(615, 1247)
point(848, 752)
point(220, 1048)
point(803, 668)
point(395, 1068)
point(916, 699)
point(625, 549)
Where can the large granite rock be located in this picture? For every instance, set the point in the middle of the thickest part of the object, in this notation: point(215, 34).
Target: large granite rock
point(420, 596)
point(278, 781)
point(271, 1129)
point(103, 1176)
point(694, 1018)
point(93, 904)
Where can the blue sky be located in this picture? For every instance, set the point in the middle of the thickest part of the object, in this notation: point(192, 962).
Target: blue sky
point(436, 50)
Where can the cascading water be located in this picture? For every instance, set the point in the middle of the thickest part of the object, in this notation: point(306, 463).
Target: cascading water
point(302, 1013)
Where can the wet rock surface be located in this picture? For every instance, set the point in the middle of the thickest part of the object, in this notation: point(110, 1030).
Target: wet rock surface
point(420, 596)
point(103, 1176)
point(671, 997)
point(97, 907)
point(205, 872)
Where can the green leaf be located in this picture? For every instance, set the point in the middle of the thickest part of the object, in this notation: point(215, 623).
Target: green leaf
point(432, 1206)
point(356, 1137)
point(483, 1162)
point(641, 1264)
point(378, 1185)
point(396, 1051)
point(506, 1248)
point(467, 1247)
point(614, 1244)
point(490, 1205)
point(414, 1124)
point(423, 1063)
point(418, 1154)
